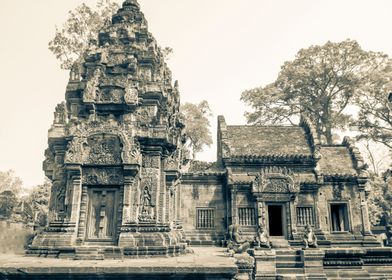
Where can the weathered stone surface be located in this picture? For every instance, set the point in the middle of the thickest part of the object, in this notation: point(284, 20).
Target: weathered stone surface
point(107, 148)
point(121, 188)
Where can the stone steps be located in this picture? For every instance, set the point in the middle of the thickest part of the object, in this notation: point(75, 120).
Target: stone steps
point(348, 274)
point(289, 264)
point(289, 271)
point(89, 253)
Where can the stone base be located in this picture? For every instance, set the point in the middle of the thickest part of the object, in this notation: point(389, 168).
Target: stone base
point(205, 263)
point(265, 264)
point(313, 264)
point(62, 242)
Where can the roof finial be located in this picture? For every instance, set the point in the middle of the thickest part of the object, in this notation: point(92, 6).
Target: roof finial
point(128, 3)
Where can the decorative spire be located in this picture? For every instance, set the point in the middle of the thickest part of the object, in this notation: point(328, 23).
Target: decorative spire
point(130, 3)
point(130, 12)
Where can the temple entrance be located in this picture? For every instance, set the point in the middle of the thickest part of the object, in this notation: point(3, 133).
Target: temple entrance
point(339, 217)
point(275, 220)
point(102, 214)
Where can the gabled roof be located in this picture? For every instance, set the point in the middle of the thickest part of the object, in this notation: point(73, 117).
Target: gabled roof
point(336, 160)
point(266, 141)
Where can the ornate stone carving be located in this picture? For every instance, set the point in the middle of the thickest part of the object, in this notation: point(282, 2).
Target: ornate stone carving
point(108, 95)
point(274, 180)
point(337, 189)
point(172, 162)
point(102, 150)
point(92, 86)
point(310, 239)
point(145, 213)
point(49, 160)
point(262, 238)
point(102, 176)
point(131, 95)
point(75, 150)
point(235, 243)
point(145, 114)
point(151, 162)
point(60, 114)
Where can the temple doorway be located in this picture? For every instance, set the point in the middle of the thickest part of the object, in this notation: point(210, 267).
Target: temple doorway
point(102, 214)
point(275, 220)
point(339, 217)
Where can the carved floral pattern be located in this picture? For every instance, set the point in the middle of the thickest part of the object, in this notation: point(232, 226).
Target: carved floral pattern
point(102, 176)
point(274, 180)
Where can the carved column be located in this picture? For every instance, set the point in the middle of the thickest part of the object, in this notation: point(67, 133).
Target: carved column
point(234, 218)
point(260, 213)
point(76, 186)
point(364, 211)
point(151, 185)
point(293, 219)
point(128, 182)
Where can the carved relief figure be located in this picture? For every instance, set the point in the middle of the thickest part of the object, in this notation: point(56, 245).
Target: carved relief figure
point(146, 205)
point(310, 239)
point(60, 114)
point(91, 90)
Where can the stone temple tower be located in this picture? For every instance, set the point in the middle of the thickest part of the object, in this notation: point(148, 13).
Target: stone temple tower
point(113, 155)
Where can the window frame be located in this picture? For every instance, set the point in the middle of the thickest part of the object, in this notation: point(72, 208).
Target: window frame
point(213, 209)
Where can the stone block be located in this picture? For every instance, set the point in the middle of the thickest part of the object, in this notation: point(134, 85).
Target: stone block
point(313, 263)
point(265, 264)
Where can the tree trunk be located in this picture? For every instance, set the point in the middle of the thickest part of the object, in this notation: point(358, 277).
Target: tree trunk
point(328, 133)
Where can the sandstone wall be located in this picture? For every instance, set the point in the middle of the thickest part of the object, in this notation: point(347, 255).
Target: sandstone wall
point(203, 195)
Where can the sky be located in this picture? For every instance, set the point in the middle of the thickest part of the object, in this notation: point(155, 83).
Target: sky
point(221, 48)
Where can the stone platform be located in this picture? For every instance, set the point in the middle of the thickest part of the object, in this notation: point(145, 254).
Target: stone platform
point(204, 263)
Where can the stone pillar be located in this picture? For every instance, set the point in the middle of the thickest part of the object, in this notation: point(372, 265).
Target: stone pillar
point(128, 182)
point(265, 264)
point(260, 213)
point(364, 214)
point(151, 182)
point(76, 185)
point(313, 260)
point(234, 218)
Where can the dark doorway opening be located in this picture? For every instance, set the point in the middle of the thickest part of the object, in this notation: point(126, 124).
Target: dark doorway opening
point(275, 220)
point(339, 217)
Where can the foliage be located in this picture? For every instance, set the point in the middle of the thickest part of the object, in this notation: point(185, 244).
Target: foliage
point(375, 114)
point(320, 82)
point(39, 201)
point(10, 182)
point(197, 124)
point(80, 30)
point(380, 199)
point(8, 201)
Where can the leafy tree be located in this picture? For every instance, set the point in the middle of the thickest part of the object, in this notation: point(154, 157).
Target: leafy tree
point(10, 182)
point(375, 114)
point(80, 30)
point(320, 82)
point(380, 199)
point(197, 124)
point(8, 202)
point(39, 201)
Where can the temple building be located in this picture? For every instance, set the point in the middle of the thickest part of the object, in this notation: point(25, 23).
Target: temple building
point(121, 187)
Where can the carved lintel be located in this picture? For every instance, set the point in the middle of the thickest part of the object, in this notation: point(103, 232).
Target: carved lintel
point(102, 176)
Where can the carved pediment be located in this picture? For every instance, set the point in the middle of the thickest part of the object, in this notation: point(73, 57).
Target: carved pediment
point(122, 148)
point(274, 180)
